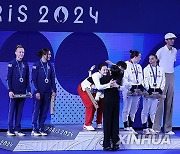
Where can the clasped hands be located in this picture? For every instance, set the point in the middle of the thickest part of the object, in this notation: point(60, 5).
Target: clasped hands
point(113, 84)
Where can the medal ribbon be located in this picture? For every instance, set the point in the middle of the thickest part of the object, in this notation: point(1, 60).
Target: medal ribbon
point(45, 70)
point(136, 71)
point(20, 69)
point(154, 75)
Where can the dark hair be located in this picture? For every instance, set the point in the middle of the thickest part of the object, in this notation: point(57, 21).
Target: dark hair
point(153, 54)
point(19, 46)
point(115, 71)
point(116, 74)
point(42, 52)
point(101, 65)
point(134, 53)
point(122, 64)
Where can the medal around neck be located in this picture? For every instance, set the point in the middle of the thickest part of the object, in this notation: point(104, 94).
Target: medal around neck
point(21, 80)
point(46, 80)
point(20, 69)
point(45, 71)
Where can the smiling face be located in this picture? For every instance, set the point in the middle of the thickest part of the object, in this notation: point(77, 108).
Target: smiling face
point(47, 56)
point(103, 71)
point(19, 53)
point(153, 60)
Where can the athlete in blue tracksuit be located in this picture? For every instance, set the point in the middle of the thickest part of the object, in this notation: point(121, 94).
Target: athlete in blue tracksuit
point(43, 78)
point(18, 83)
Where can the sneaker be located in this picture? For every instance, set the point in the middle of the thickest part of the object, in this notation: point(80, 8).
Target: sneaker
point(156, 132)
point(35, 133)
point(90, 128)
point(146, 131)
point(115, 147)
point(9, 133)
point(107, 149)
point(43, 133)
point(19, 133)
point(170, 133)
point(131, 129)
point(126, 129)
point(99, 126)
point(152, 132)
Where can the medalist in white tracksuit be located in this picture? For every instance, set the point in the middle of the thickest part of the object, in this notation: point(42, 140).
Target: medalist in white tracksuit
point(133, 75)
point(155, 79)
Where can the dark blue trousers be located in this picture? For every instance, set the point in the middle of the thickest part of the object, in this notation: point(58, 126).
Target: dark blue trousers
point(15, 112)
point(40, 111)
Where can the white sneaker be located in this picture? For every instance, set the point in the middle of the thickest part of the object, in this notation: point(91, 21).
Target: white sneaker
point(43, 133)
point(170, 133)
point(131, 129)
point(99, 126)
point(10, 133)
point(90, 128)
point(34, 133)
point(146, 131)
point(152, 131)
point(19, 133)
point(126, 129)
point(156, 132)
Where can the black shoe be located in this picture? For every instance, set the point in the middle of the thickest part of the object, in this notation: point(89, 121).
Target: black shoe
point(107, 149)
point(115, 148)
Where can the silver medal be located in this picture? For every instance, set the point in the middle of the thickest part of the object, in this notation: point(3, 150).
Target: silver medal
point(46, 80)
point(21, 80)
point(20, 69)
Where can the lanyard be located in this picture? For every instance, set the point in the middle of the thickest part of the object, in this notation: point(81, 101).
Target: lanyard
point(154, 75)
point(45, 70)
point(136, 71)
point(20, 69)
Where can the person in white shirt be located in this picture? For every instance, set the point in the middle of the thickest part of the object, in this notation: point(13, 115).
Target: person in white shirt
point(154, 81)
point(133, 79)
point(93, 83)
point(167, 57)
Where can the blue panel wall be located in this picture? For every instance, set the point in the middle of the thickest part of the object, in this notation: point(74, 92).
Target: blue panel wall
point(73, 54)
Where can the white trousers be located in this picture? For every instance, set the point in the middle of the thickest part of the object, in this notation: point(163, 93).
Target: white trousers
point(130, 106)
point(149, 108)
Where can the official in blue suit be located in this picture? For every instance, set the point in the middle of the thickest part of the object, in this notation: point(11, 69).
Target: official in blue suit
point(18, 83)
point(43, 78)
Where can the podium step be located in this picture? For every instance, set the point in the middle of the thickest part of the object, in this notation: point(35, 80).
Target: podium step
point(73, 137)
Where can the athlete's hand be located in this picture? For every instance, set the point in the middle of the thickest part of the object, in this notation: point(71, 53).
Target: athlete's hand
point(112, 83)
point(53, 94)
point(38, 96)
point(109, 62)
point(127, 86)
point(30, 95)
point(92, 68)
point(11, 94)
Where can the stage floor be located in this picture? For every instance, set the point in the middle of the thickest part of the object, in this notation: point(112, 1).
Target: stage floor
point(97, 152)
point(73, 137)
